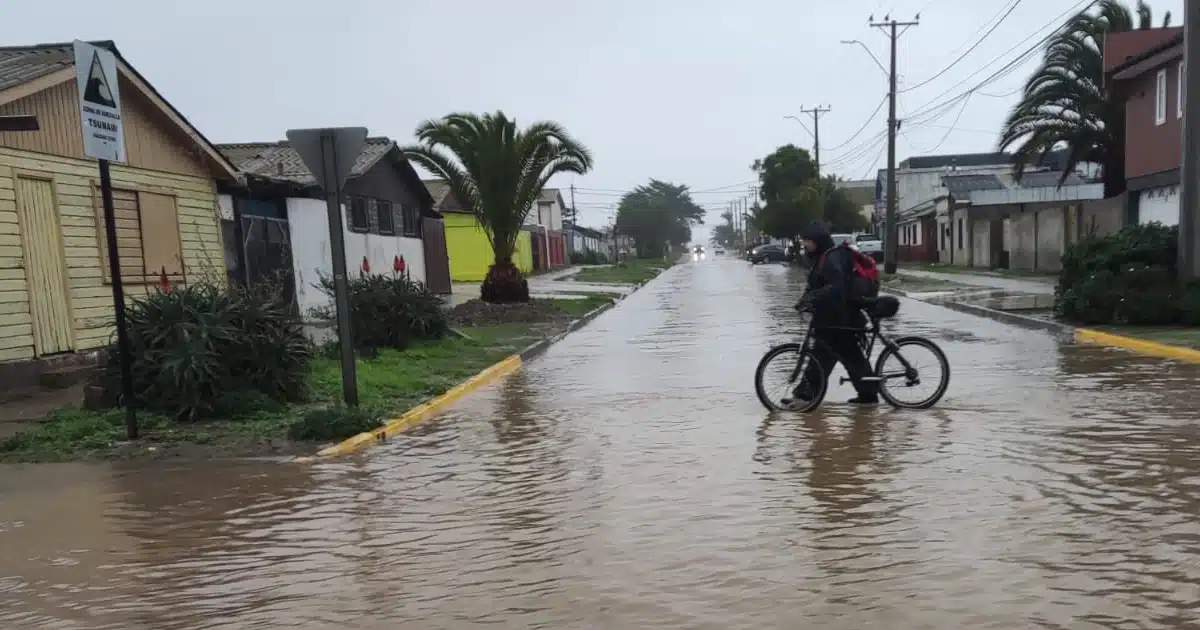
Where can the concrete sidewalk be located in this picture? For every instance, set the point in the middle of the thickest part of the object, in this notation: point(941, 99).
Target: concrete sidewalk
point(1036, 286)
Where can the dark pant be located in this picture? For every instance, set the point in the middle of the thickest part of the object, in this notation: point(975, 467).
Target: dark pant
point(844, 345)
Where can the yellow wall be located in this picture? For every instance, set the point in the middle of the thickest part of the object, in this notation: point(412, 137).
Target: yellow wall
point(90, 295)
point(470, 254)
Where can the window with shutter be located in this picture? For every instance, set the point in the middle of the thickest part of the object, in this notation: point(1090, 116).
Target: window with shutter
point(412, 220)
point(148, 241)
point(162, 251)
point(359, 221)
point(387, 220)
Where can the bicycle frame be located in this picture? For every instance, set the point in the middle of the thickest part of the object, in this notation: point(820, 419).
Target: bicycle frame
point(873, 332)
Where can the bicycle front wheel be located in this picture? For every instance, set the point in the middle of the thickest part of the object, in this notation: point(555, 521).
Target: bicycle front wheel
point(784, 380)
point(911, 365)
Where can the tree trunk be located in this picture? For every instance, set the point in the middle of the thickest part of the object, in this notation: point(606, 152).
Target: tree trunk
point(504, 284)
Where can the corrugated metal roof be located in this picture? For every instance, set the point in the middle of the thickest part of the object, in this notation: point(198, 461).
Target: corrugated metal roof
point(437, 189)
point(279, 161)
point(956, 159)
point(1043, 179)
point(22, 64)
point(962, 185)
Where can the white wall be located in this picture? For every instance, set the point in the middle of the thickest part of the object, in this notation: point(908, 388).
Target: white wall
point(917, 186)
point(225, 207)
point(1159, 204)
point(311, 251)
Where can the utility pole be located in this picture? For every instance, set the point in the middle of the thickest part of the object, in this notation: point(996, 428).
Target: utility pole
point(1189, 199)
point(574, 217)
point(890, 237)
point(816, 118)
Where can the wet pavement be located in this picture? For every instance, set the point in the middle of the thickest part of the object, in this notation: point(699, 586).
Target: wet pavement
point(629, 479)
point(1033, 285)
point(555, 284)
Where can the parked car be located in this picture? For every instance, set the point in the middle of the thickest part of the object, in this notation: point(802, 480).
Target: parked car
point(839, 239)
point(870, 245)
point(767, 253)
point(718, 250)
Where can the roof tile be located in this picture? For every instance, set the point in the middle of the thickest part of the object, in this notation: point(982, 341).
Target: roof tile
point(279, 161)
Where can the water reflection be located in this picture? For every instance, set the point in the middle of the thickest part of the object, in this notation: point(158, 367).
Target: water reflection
point(629, 479)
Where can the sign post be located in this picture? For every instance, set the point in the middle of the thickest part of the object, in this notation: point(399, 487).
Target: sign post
point(104, 139)
point(329, 154)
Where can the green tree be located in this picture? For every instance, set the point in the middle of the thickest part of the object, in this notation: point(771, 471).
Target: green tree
point(1066, 102)
point(725, 233)
point(497, 170)
point(657, 214)
point(841, 213)
point(790, 191)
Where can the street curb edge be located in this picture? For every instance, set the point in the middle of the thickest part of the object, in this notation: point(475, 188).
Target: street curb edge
point(1004, 317)
point(418, 414)
point(423, 411)
point(1140, 346)
point(1015, 319)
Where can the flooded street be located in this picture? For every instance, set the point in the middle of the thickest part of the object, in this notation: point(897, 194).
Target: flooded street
point(629, 478)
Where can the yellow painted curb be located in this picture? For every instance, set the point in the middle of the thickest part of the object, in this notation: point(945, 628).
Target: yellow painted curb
point(423, 411)
point(1142, 346)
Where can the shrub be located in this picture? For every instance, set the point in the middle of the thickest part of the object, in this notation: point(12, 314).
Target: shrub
point(195, 348)
point(389, 311)
point(334, 423)
point(1129, 277)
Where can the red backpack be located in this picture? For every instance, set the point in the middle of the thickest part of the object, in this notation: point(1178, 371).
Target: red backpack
point(865, 283)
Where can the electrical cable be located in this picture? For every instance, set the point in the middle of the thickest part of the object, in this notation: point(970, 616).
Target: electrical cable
point(870, 119)
point(1007, 68)
point(1004, 16)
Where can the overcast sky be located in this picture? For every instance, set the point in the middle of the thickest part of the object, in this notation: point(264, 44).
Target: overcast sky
point(690, 91)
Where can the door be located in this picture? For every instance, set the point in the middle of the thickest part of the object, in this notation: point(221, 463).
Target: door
point(437, 260)
point(268, 243)
point(45, 267)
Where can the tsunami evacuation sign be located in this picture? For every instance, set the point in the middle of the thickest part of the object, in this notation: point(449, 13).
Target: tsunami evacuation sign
point(99, 102)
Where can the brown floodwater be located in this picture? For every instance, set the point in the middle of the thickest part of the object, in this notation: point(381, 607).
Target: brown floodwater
point(630, 479)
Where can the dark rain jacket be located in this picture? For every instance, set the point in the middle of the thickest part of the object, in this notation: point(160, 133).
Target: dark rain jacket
point(830, 283)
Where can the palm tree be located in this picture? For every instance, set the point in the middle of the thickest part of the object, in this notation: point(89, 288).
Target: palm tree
point(1066, 104)
point(497, 171)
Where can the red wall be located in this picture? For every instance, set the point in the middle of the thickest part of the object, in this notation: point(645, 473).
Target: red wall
point(1151, 148)
point(927, 250)
point(558, 249)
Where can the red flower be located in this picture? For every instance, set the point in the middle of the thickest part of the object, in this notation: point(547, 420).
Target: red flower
point(398, 264)
point(164, 283)
point(366, 265)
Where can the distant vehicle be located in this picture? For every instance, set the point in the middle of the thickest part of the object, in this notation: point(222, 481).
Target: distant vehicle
point(839, 239)
point(766, 253)
point(698, 252)
point(870, 245)
point(718, 250)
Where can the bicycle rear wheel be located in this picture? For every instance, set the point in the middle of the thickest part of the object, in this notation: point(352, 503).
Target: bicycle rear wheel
point(791, 362)
point(904, 374)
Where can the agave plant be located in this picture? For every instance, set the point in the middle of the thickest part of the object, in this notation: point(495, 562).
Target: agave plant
point(497, 171)
point(1066, 103)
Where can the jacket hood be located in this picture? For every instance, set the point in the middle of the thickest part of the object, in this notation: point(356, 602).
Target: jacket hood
point(819, 235)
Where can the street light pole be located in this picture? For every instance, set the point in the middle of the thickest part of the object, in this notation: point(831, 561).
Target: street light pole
point(890, 233)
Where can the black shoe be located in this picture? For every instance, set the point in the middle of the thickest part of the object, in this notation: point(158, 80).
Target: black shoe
point(864, 400)
point(802, 393)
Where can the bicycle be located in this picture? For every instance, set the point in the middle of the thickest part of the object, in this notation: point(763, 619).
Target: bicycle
point(876, 310)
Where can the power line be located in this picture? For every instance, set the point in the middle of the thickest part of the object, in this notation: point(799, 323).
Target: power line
point(1013, 7)
point(950, 130)
point(1008, 67)
point(870, 119)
